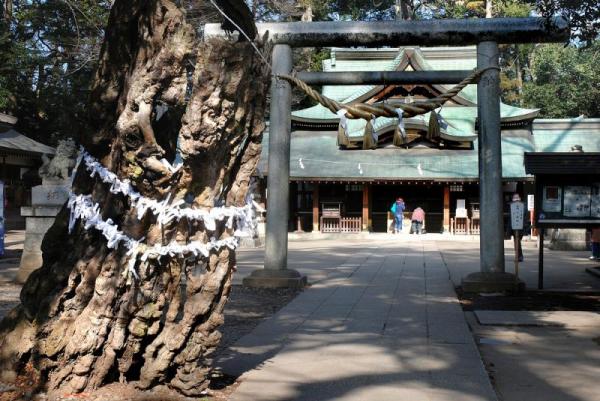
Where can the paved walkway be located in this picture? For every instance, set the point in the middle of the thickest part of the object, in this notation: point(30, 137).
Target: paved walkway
point(541, 356)
point(381, 323)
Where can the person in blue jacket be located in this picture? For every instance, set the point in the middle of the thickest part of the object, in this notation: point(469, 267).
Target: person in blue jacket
point(397, 210)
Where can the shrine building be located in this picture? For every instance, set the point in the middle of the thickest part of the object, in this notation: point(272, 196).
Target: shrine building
point(338, 186)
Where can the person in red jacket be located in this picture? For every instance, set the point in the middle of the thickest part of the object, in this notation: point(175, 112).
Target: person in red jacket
point(417, 219)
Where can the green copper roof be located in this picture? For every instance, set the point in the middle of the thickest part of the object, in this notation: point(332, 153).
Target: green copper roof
point(404, 56)
point(550, 141)
point(559, 135)
point(321, 158)
point(461, 123)
point(346, 93)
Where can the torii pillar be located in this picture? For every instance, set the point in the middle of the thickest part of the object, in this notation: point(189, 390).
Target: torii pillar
point(275, 273)
point(492, 277)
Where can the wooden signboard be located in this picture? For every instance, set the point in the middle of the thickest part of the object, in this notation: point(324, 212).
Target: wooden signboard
point(567, 192)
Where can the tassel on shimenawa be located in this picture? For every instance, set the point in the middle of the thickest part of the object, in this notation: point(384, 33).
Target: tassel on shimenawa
point(433, 131)
point(342, 138)
point(368, 140)
point(399, 139)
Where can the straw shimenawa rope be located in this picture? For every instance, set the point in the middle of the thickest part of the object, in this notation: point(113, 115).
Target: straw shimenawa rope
point(369, 111)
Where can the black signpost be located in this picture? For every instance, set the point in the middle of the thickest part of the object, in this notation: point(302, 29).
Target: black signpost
point(567, 193)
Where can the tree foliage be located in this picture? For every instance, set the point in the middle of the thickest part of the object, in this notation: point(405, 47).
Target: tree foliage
point(49, 48)
point(583, 17)
point(49, 51)
point(565, 81)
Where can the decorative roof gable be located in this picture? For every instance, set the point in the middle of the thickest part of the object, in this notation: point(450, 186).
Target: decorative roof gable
point(460, 114)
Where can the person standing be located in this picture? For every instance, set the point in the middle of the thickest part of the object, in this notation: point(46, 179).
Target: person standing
point(595, 243)
point(397, 210)
point(417, 219)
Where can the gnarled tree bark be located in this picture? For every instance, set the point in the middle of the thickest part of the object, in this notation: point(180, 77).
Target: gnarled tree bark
point(82, 322)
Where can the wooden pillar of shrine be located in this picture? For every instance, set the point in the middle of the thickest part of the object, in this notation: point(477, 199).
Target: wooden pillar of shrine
point(315, 208)
point(365, 206)
point(446, 222)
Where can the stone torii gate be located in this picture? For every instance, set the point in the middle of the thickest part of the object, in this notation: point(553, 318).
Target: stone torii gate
point(485, 33)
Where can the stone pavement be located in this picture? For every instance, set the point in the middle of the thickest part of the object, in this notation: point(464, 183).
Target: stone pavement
point(381, 322)
point(563, 270)
point(543, 356)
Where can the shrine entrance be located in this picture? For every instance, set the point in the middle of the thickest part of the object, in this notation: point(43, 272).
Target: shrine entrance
point(486, 34)
point(428, 196)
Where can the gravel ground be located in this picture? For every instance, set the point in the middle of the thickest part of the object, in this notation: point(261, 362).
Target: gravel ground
point(532, 301)
point(9, 297)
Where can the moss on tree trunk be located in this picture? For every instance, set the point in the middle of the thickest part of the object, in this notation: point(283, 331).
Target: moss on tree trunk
point(83, 323)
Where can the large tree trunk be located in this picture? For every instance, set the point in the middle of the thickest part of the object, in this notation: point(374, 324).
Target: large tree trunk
point(83, 322)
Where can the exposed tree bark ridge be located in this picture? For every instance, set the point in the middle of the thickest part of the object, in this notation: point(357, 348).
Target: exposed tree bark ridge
point(82, 322)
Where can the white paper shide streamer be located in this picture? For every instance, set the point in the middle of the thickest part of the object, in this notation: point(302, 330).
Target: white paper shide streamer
point(343, 119)
point(374, 134)
point(401, 123)
point(163, 210)
point(83, 208)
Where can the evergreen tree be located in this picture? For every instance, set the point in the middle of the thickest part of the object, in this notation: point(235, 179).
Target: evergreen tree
point(565, 81)
point(49, 51)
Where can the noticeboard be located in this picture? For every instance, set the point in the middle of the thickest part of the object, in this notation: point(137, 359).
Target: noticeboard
point(567, 186)
point(568, 202)
point(567, 192)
